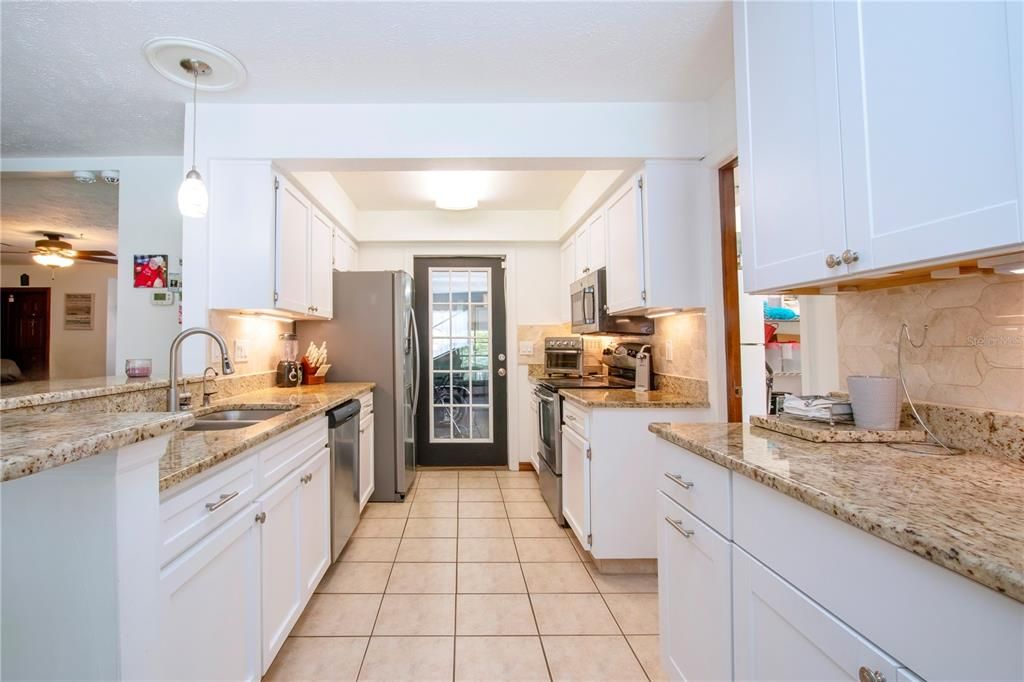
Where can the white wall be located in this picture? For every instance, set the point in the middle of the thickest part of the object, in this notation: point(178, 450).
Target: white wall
point(531, 277)
point(148, 222)
point(459, 226)
point(76, 353)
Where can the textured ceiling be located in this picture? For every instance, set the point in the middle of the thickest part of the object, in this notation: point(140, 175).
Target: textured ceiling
point(498, 190)
point(75, 80)
point(33, 203)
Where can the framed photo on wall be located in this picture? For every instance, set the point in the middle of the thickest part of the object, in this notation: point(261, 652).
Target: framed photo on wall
point(150, 271)
point(79, 310)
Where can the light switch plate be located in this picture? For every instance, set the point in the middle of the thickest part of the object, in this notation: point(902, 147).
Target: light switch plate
point(668, 350)
point(241, 350)
point(526, 347)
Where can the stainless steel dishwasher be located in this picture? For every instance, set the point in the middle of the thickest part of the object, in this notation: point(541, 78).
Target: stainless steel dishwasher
point(343, 439)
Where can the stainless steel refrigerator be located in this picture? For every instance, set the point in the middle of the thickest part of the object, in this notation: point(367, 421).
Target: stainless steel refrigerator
point(372, 337)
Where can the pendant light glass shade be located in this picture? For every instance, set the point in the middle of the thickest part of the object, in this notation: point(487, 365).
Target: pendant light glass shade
point(192, 197)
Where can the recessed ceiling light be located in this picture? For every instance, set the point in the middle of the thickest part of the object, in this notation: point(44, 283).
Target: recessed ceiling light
point(167, 54)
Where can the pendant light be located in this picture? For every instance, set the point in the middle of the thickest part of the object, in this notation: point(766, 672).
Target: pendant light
point(193, 199)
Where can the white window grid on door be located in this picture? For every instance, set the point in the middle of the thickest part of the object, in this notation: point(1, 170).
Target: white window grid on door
point(474, 345)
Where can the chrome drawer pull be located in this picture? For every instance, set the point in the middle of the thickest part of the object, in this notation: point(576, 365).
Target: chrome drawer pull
point(570, 417)
point(224, 499)
point(678, 480)
point(678, 525)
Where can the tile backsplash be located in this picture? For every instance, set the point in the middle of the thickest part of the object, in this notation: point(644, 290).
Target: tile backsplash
point(261, 334)
point(972, 355)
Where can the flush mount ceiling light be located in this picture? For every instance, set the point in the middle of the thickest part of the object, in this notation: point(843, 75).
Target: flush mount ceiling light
point(456, 190)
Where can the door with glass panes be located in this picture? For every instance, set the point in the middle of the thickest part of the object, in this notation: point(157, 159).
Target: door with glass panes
point(462, 418)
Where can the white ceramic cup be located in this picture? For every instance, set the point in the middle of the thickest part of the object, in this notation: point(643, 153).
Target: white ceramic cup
point(876, 402)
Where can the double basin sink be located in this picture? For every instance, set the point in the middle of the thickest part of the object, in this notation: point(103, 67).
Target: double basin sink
point(236, 418)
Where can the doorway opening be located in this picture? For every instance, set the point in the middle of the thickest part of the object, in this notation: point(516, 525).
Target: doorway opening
point(463, 376)
point(25, 334)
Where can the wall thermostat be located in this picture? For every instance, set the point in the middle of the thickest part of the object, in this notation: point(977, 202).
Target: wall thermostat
point(163, 298)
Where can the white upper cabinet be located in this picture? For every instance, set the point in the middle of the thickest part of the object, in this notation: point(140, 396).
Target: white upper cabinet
point(928, 129)
point(791, 183)
point(656, 236)
point(568, 274)
point(259, 218)
point(597, 235)
point(875, 135)
point(581, 250)
point(321, 260)
point(345, 252)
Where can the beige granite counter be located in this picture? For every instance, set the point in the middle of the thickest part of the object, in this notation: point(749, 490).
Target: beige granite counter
point(33, 443)
point(193, 452)
point(627, 398)
point(823, 432)
point(33, 393)
point(964, 512)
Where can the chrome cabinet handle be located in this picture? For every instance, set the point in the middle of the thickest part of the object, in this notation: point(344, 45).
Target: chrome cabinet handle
point(833, 261)
point(224, 499)
point(678, 525)
point(261, 517)
point(678, 480)
point(307, 478)
point(570, 417)
point(865, 674)
point(849, 256)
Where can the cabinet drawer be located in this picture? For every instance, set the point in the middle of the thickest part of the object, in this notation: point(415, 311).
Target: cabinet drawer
point(291, 449)
point(576, 418)
point(366, 404)
point(188, 516)
point(699, 485)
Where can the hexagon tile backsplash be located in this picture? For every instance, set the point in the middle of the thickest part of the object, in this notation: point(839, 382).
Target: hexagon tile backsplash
point(973, 355)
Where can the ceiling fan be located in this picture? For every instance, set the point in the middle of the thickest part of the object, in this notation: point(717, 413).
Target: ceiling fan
point(54, 252)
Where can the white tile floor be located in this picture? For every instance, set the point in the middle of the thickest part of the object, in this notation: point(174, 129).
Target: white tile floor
point(471, 579)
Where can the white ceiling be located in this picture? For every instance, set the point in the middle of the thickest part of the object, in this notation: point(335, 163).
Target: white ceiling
point(501, 190)
point(34, 203)
point(75, 81)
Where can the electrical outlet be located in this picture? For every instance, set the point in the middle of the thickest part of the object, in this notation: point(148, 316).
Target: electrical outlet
point(241, 350)
point(668, 350)
point(526, 347)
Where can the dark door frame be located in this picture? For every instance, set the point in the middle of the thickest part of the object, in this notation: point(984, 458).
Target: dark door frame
point(8, 329)
point(455, 453)
point(730, 291)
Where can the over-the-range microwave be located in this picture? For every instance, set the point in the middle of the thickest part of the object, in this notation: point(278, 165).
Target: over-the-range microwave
point(590, 310)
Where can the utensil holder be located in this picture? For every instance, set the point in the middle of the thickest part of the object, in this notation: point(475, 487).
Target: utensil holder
point(876, 402)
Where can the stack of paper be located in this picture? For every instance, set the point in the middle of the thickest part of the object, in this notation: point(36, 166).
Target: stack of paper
point(817, 407)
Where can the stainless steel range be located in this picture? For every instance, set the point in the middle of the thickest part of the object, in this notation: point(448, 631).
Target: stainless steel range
point(620, 358)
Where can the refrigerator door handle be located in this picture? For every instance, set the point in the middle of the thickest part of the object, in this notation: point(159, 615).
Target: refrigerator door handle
point(416, 349)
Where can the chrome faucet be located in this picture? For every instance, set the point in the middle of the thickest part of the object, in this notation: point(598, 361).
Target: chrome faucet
point(225, 361)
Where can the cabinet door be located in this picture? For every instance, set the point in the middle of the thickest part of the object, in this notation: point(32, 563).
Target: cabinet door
point(568, 272)
point(294, 213)
point(694, 592)
point(928, 132)
point(780, 634)
point(210, 606)
point(625, 274)
point(366, 460)
point(787, 109)
point(581, 249)
point(314, 522)
point(576, 485)
point(321, 285)
point(598, 236)
point(282, 585)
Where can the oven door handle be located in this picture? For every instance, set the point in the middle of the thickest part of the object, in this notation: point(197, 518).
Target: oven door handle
point(562, 352)
point(547, 399)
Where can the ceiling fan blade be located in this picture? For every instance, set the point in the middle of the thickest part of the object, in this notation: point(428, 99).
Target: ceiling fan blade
point(95, 253)
point(96, 259)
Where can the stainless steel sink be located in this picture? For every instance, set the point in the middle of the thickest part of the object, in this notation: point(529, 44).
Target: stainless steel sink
point(233, 418)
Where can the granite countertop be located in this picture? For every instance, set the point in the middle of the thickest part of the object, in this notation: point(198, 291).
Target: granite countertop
point(823, 432)
point(963, 512)
point(193, 452)
point(31, 393)
point(627, 398)
point(34, 443)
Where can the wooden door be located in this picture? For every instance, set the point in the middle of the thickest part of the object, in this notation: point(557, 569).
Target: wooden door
point(694, 592)
point(787, 108)
point(282, 588)
point(314, 522)
point(294, 213)
point(928, 130)
point(321, 271)
point(625, 275)
point(780, 634)
point(210, 606)
point(576, 485)
point(25, 331)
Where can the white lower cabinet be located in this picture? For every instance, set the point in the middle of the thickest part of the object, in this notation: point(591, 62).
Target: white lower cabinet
point(366, 459)
point(314, 523)
point(780, 634)
point(576, 484)
point(694, 585)
point(211, 606)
